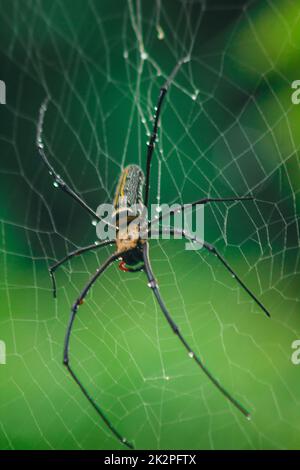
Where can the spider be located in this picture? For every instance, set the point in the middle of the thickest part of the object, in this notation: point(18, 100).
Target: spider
point(134, 252)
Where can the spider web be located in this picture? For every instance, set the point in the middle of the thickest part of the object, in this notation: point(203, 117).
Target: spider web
point(228, 128)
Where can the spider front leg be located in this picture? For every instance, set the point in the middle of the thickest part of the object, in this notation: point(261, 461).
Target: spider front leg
point(66, 360)
point(69, 256)
point(58, 181)
point(173, 325)
point(153, 137)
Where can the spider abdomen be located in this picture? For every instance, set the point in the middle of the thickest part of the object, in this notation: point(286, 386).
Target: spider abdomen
point(130, 188)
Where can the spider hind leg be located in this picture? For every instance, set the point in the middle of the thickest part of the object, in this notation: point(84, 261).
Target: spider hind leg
point(66, 358)
point(153, 285)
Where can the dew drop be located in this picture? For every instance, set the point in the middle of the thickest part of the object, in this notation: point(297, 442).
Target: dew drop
point(144, 55)
point(94, 222)
point(191, 355)
point(55, 184)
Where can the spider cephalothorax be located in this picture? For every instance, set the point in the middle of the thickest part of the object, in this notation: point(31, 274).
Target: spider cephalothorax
point(133, 249)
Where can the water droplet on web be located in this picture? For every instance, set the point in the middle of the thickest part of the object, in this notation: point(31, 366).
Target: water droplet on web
point(144, 55)
point(158, 209)
point(125, 54)
point(160, 32)
point(195, 94)
point(55, 184)
point(94, 222)
point(191, 355)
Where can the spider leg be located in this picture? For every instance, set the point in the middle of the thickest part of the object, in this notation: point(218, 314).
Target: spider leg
point(58, 181)
point(173, 325)
point(153, 136)
point(213, 250)
point(202, 202)
point(78, 252)
point(66, 360)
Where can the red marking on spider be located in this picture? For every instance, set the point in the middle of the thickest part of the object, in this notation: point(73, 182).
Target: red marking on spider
point(80, 302)
point(122, 266)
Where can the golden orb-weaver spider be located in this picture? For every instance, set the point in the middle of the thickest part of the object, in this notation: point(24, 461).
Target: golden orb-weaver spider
point(134, 252)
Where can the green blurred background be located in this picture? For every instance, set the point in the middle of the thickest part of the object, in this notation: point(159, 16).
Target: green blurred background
point(228, 127)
